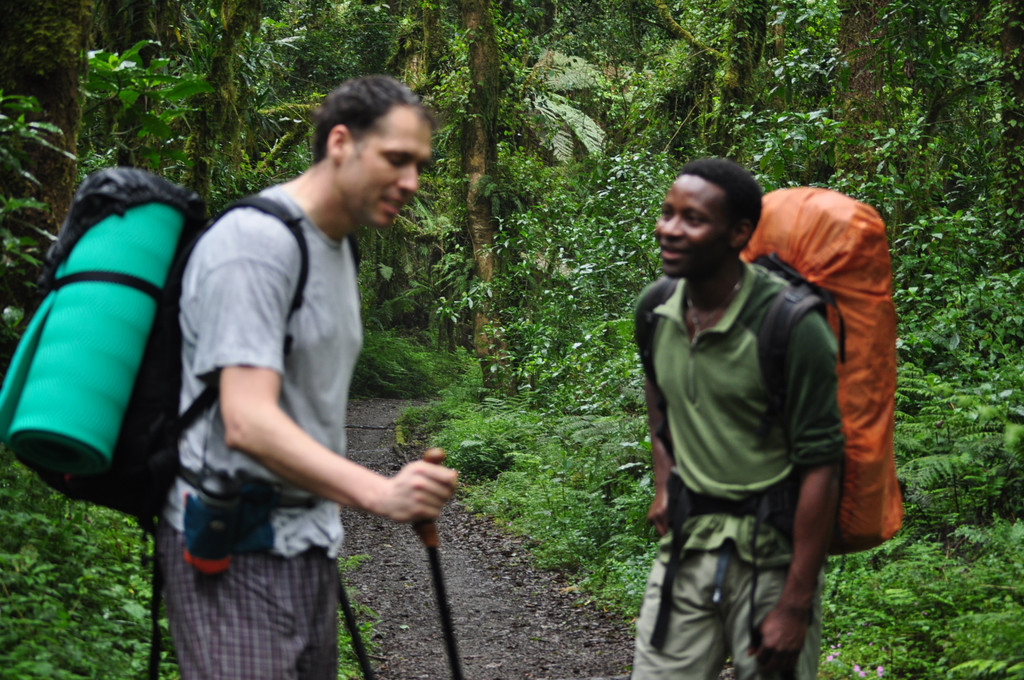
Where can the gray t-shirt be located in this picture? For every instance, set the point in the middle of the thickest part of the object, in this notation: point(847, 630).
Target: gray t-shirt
point(236, 292)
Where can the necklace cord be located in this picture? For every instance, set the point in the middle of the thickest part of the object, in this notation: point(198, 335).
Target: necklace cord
point(695, 315)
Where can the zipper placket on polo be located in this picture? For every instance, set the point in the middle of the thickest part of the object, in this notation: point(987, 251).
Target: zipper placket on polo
point(691, 368)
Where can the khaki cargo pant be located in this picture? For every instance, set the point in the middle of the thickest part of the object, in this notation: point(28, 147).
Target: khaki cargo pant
point(703, 634)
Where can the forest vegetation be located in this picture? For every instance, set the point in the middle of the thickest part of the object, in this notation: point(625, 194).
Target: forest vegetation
point(507, 286)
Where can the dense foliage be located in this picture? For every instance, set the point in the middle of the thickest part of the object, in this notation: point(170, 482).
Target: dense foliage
point(912, 107)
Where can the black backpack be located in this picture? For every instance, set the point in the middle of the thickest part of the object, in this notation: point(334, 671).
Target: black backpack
point(144, 462)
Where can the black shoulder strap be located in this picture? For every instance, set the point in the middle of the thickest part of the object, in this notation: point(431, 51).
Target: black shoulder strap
point(790, 305)
point(293, 222)
point(271, 207)
point(646, 321)
point(774, 264)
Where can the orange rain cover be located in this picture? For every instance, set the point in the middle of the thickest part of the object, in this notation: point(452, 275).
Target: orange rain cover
point(840, 244)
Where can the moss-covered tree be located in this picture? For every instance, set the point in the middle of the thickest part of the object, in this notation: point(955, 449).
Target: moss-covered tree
point(216, 121)
point(42, 43)
point(479, 152)
point(857, 91)
point(749, 31)
point(1012, 43)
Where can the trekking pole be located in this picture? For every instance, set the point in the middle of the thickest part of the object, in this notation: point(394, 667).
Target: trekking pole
point(428, 534)
point(353, 631)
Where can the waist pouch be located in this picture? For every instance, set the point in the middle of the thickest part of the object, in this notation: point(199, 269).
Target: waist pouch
point(216, 529)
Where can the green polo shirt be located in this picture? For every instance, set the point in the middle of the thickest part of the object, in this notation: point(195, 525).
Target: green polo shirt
point(716, 398)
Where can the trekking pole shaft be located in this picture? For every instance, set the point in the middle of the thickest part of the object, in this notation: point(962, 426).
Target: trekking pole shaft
point(445, 613)
point(353, 631)
point(428, 534)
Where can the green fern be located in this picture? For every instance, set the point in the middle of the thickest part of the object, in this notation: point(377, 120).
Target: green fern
point(564, 73)
point(562, 122)
point(980, 668)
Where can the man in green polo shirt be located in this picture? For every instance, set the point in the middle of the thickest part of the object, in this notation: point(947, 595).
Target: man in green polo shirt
point(740, 583)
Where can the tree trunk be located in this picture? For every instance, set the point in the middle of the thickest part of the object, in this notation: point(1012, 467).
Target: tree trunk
point(217, 121)
point(1012, 41)
point(433, 39)
point(122, 23)
point(41, 48)
point(479, 151)
point(858, 102)
point(749, 33)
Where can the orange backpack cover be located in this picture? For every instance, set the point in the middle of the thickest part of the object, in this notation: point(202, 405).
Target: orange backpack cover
point(840, 244)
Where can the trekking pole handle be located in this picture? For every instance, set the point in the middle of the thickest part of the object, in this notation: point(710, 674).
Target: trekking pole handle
point(427, 530)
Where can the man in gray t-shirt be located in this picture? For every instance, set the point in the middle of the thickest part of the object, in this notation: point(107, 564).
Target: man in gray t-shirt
point(269, 610)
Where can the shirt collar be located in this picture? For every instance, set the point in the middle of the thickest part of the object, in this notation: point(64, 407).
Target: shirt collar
point(673, 307)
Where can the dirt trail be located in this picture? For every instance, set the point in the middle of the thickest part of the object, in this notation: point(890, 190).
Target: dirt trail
point(511, 620)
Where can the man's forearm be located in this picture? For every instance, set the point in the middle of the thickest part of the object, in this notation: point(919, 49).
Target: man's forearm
point(277, 443)
point(660, 453)
point(812, 531)
point(255, 424)
point(661, 458)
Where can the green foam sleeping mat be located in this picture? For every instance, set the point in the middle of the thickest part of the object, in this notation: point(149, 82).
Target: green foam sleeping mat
point(72, 375)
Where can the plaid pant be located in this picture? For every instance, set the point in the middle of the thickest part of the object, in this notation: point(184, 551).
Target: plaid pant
point(266, 617)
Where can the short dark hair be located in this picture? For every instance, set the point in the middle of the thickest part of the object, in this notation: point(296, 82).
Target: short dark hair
point(742, 192)
point(358, 104)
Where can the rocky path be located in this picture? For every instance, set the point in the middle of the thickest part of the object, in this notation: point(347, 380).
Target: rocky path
point(511, 621)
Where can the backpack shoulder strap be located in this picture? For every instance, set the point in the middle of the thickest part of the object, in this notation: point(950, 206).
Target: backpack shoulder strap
point(789, 306)
point(646, 321)
point(293, 222)
point(776, 265)
point(273, 208)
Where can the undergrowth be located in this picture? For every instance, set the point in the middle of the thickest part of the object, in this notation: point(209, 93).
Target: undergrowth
point(395, 367)
point(75, 592)
point(577, 486)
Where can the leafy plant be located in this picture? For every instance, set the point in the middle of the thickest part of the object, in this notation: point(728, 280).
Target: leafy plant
point(19, 254)
point(142, 102)
point(563, 122)
point(17, 129)
point(76, 593)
